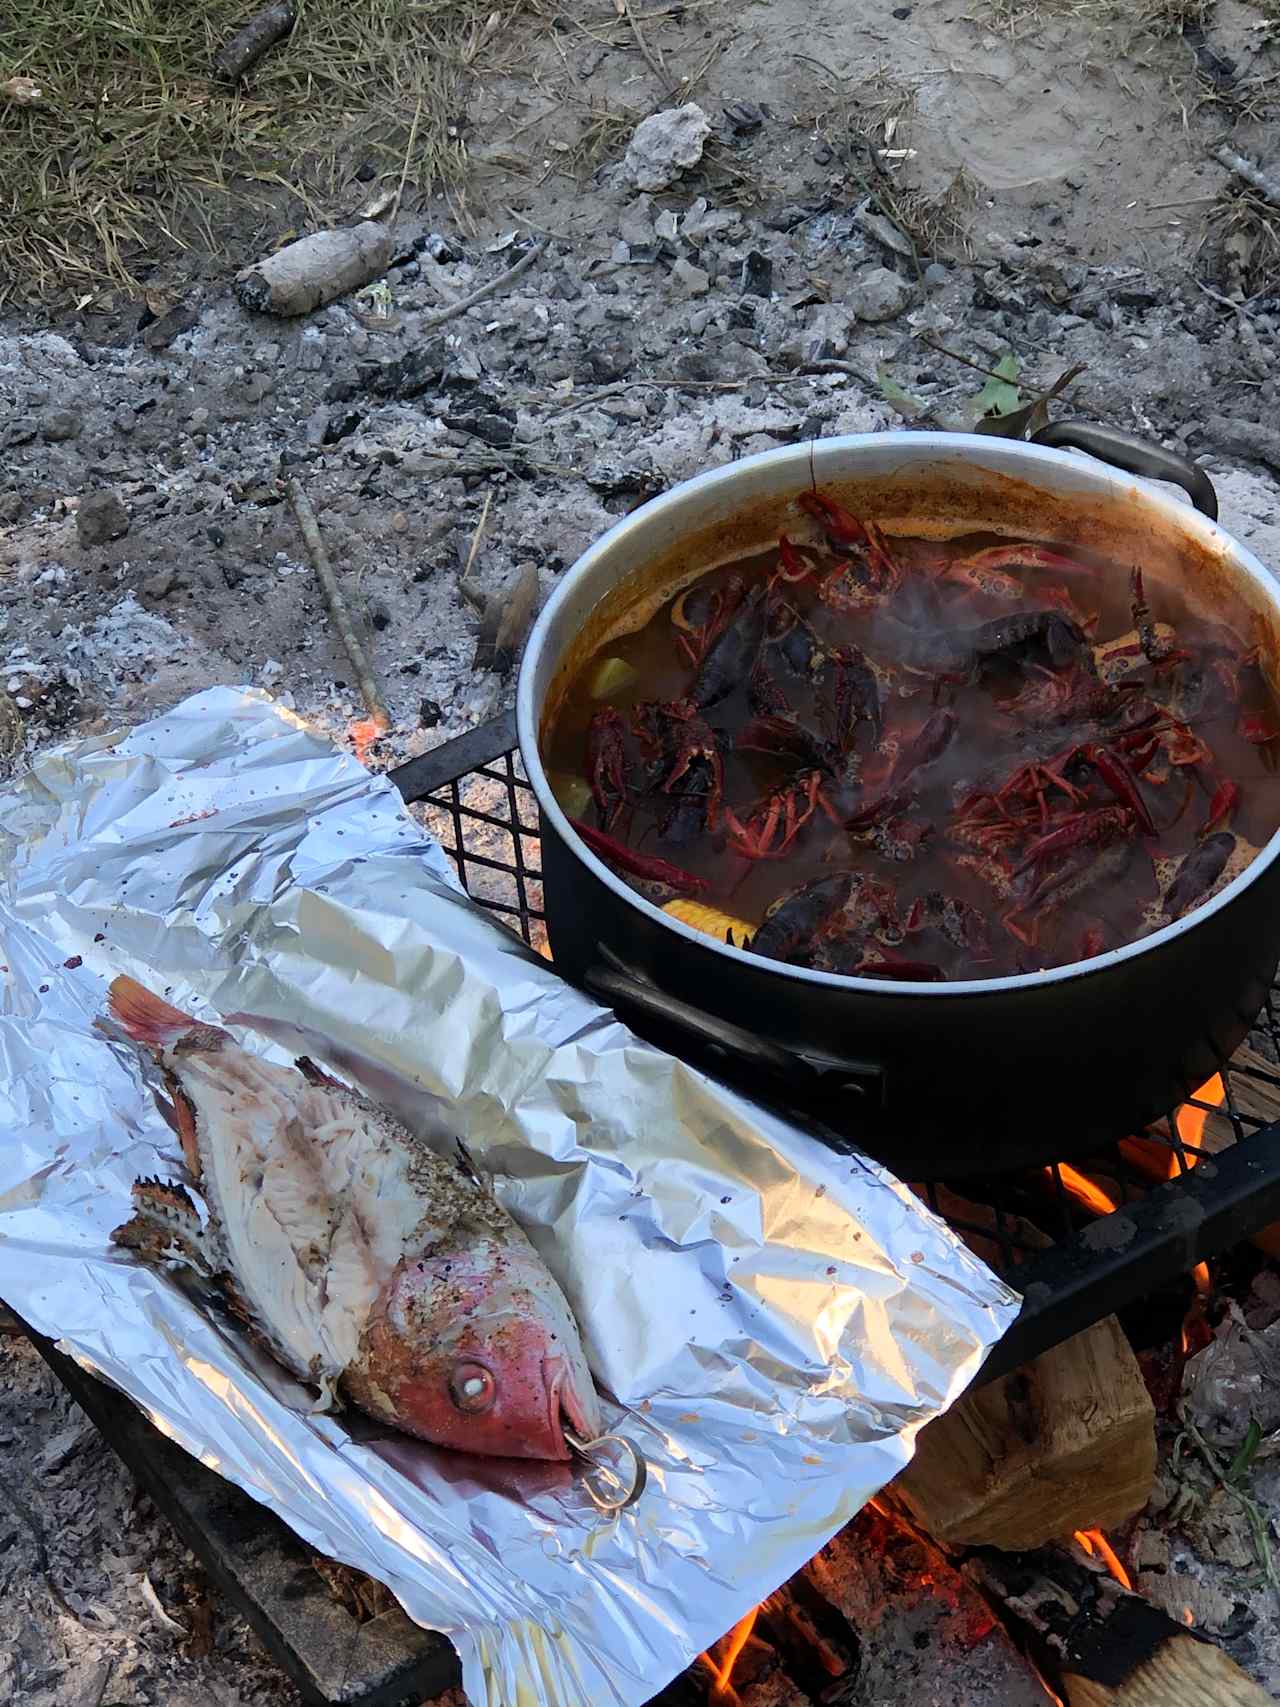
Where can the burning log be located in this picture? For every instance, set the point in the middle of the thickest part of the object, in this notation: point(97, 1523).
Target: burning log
point(1065, 1443)
point(1102, 1645)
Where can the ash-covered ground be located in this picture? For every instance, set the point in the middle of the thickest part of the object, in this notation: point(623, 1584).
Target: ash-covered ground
point(760, 297)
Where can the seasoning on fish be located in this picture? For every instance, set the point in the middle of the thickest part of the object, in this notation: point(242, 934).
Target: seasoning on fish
point(911, 759)
point(367, 1263)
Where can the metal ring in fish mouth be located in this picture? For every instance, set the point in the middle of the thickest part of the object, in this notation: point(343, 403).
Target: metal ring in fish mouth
point(609, 1490)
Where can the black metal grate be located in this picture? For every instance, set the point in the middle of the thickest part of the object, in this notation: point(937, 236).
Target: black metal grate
point(1172, 1199)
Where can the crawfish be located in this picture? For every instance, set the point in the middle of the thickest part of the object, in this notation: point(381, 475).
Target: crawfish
point(771, 827)
point(928, 743)
point(1197, 873)
point(849, 586)
point(961, 924)
point(606, 764)
point(729, 659)
point(687, 752)
point(1094, 828)
point(798, 918)
point(702, 613)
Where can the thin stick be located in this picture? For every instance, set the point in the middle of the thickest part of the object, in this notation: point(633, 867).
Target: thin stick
point(655, 65)
point(394, 212)
point(337, 604)
point(1267, 187)
point(494, 285)
point(476, 600)
point(977, 367)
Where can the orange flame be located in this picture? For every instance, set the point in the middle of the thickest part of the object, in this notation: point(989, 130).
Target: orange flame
point(1190, 1121)
point(1088, 1191)
point(1188, 1617)
point(1094, 1543)
point(721, 1669)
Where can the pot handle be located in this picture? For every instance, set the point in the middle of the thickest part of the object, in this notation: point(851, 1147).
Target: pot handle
point(618, 986)
point(1135, 456)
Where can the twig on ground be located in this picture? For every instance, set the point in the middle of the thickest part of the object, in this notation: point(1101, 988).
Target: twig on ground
point(365, 680)
point(1267, 187)
point(989, 373)
point(491, 289)
point(651, 60)
point(796, 377)
point(472, 595)
point(272, 24)
point(31, 1523)
point(394, 212)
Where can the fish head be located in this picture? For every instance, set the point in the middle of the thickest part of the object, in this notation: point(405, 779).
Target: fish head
point(474, 1347)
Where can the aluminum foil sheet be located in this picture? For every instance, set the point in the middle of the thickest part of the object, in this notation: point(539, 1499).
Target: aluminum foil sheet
point(773, 1322)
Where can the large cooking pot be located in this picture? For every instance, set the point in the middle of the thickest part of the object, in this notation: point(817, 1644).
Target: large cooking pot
point(935, 1078)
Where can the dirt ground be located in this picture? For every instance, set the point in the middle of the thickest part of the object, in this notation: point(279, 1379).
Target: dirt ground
point(883, 190)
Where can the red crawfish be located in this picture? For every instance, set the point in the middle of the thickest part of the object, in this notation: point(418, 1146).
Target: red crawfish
point(689, 765)
point(768, 829)
point(1092, 829)
point(877, 575)
point(607, 764)
point(927, 744)
point(700, 615)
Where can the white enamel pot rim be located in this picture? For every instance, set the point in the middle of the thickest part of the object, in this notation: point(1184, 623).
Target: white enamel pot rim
point(715, 496)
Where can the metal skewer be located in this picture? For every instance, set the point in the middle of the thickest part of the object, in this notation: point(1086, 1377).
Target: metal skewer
point(609, 1490)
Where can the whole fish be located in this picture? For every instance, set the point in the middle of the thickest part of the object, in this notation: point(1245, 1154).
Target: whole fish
point(362, 1259)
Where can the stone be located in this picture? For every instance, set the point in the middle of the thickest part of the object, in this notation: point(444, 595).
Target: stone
point(430, 712)
point(100, 518)
point(880, 294)
point(757, 275)
point(695, 280)
point(58, 425)
point(161, 584)
point(664, 145)
point(936, 275)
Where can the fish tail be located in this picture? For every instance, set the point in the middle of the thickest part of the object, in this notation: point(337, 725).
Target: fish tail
point(146, 1017)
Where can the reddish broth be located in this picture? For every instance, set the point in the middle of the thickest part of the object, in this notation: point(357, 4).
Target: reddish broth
point(964, 861)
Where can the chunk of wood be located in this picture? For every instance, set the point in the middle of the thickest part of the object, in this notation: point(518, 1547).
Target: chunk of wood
point(305, 275)
point(1101, 1645)
point(264, 29)
point(1065, 1443)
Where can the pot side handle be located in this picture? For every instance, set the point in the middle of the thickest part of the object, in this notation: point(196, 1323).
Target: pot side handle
point(1135, 456)
point(619, 987)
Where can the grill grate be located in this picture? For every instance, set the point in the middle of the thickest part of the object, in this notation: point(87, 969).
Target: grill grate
point(1169, 1199)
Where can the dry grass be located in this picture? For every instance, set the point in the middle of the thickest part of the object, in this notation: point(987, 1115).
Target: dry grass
point(1242, 238)
point(135, 152)
point(1139, 17)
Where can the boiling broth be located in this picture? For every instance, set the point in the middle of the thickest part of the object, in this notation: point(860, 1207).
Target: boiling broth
point(924, 760)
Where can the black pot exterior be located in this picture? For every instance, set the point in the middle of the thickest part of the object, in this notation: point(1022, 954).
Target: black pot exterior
point(969, 1082)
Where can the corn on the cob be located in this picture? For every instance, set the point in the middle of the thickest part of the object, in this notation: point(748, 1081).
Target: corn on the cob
point(712, 921)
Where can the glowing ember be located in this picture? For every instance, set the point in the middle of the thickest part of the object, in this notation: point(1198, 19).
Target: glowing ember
point(1188, 1617)
point(721, 1665)
point(1096, 1544)
point(364, 732)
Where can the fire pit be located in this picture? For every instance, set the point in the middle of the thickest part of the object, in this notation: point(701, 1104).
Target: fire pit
point(1130, 1223)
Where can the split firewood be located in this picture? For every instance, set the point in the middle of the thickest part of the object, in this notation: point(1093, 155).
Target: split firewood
point(1100, 1644)
point(507, 619)
point(315, 270)
point(1065, 1443)
point(247, 46)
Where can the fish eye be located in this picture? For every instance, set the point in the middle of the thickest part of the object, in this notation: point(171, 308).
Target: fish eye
point(472, 1387)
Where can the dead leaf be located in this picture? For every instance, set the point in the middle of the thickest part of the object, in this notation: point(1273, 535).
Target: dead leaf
point(1026, 421)
point(24, 90)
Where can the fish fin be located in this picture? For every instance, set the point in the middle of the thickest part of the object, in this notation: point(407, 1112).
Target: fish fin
point(317, 1076)
point(165, 1227)
point(146, 1017)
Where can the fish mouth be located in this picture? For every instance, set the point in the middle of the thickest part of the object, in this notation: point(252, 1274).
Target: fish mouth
point(566, 1412)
